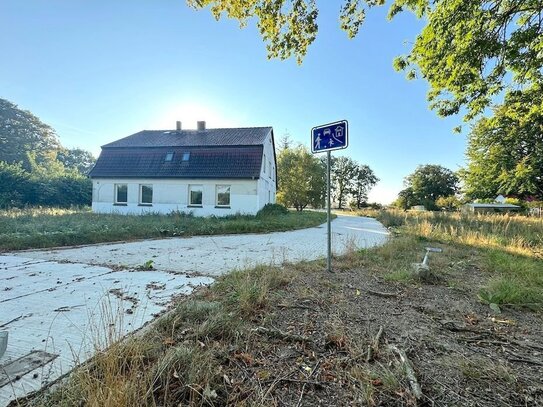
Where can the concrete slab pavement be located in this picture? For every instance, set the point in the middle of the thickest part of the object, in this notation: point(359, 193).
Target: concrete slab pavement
point(58, 305)
point(216, 255)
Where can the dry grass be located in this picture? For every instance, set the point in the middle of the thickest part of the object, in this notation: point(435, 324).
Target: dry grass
point(205, 352)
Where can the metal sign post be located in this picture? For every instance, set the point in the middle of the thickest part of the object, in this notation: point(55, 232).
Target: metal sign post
point(328, 137)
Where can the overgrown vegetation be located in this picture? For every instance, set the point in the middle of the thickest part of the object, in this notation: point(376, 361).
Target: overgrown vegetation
point(50, 227)
point(302, 179)
point(509, 248)
point(297, 335)
point(34, 167)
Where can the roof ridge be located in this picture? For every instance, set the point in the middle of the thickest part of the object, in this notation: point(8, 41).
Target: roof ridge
point(209, 128)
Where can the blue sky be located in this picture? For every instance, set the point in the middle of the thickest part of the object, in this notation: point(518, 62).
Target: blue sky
point(100, 70)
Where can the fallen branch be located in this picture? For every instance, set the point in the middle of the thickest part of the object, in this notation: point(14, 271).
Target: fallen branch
point(297, 306)
point(382, 294)
point(299, 403)
point(276, 333)
point(374, 347)
point(409, 372)
point(522, 359)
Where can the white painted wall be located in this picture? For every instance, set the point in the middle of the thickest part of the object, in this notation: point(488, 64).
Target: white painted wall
point(267, 182)
point(172, 195)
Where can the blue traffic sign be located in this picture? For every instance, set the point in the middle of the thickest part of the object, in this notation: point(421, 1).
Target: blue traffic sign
point(332, 136)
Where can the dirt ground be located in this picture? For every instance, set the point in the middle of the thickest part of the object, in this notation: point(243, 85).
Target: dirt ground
point(313, 350)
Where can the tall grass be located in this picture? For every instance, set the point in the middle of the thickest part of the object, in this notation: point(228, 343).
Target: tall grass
point(510, 247)
point(50, 227)
point(179, 361)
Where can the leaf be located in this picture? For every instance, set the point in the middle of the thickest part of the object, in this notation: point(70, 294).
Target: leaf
point(168, 341)
point(357, 291)
point(495, 307)
point(209, 393)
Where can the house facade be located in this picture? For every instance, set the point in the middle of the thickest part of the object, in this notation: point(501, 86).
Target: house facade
point(205, 171)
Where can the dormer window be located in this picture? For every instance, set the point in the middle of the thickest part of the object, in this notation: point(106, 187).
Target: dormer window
point(186, 156)
point(169, 157)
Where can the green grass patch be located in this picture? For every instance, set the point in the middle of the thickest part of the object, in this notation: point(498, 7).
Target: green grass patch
point(51, 227)
point(508, 248)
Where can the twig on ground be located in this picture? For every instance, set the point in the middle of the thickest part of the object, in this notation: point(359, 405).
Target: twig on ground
point(276, 333)
point(374, 346)
point(297, 306)
point(522, 359)
point(383, 294)
point(298, 404)
point(409, 372)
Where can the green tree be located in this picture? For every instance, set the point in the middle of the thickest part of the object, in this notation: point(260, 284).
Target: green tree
point(343, 173)
point(505, 151)
point(466, 50)
point(301, 178)
point(448, 203)
point(76, 158)
point(426, 184)
point(21, 132)
point(406, 199)
point(364, 179)
point(14, 181)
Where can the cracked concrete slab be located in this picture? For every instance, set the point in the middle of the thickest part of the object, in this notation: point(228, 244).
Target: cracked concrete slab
point(64, 301)
point(215, 255)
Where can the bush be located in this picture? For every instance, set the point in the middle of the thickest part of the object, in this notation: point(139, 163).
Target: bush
point(272, 210)
point(13, 185)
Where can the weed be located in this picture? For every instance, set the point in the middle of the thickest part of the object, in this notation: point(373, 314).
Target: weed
point(50, 227)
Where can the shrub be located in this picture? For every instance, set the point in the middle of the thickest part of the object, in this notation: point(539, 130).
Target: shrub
point(272, 210)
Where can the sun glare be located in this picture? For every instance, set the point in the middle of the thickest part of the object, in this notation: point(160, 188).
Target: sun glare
point(190, 113)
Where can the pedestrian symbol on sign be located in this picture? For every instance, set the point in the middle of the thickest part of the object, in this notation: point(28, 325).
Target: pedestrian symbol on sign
point(333, 136)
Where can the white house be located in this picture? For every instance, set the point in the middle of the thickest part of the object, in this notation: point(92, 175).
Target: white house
point(204, 171)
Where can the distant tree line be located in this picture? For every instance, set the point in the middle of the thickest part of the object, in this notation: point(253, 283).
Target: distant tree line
point(35, 169)
point(302, 179)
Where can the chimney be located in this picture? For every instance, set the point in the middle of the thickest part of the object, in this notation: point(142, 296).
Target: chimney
point(201, 125)
point(178, 125)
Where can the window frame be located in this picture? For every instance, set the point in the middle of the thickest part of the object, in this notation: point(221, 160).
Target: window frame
point(217, 205)
point(116, 194)
point(140, 200)
point(201, 190)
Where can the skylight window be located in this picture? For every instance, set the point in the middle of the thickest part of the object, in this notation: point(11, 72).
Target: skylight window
point(186, 156)
point(169, 157)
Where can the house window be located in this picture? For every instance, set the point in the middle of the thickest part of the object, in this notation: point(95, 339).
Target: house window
point(264, 169)
point(121, 194)
point(146, 194)
point(169, 157)
point(270, 168)
point(195, 195)
point(223, 195)
point(186, 156)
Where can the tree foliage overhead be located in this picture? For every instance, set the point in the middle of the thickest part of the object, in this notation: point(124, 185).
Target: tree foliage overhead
point(468, 47)
point(288, 27)
point(465, 50)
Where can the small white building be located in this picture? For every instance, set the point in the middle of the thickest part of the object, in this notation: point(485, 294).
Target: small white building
point(205, 171)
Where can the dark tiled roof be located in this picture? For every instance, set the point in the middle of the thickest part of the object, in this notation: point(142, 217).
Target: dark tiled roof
point(248, 136)
point(206, 162)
